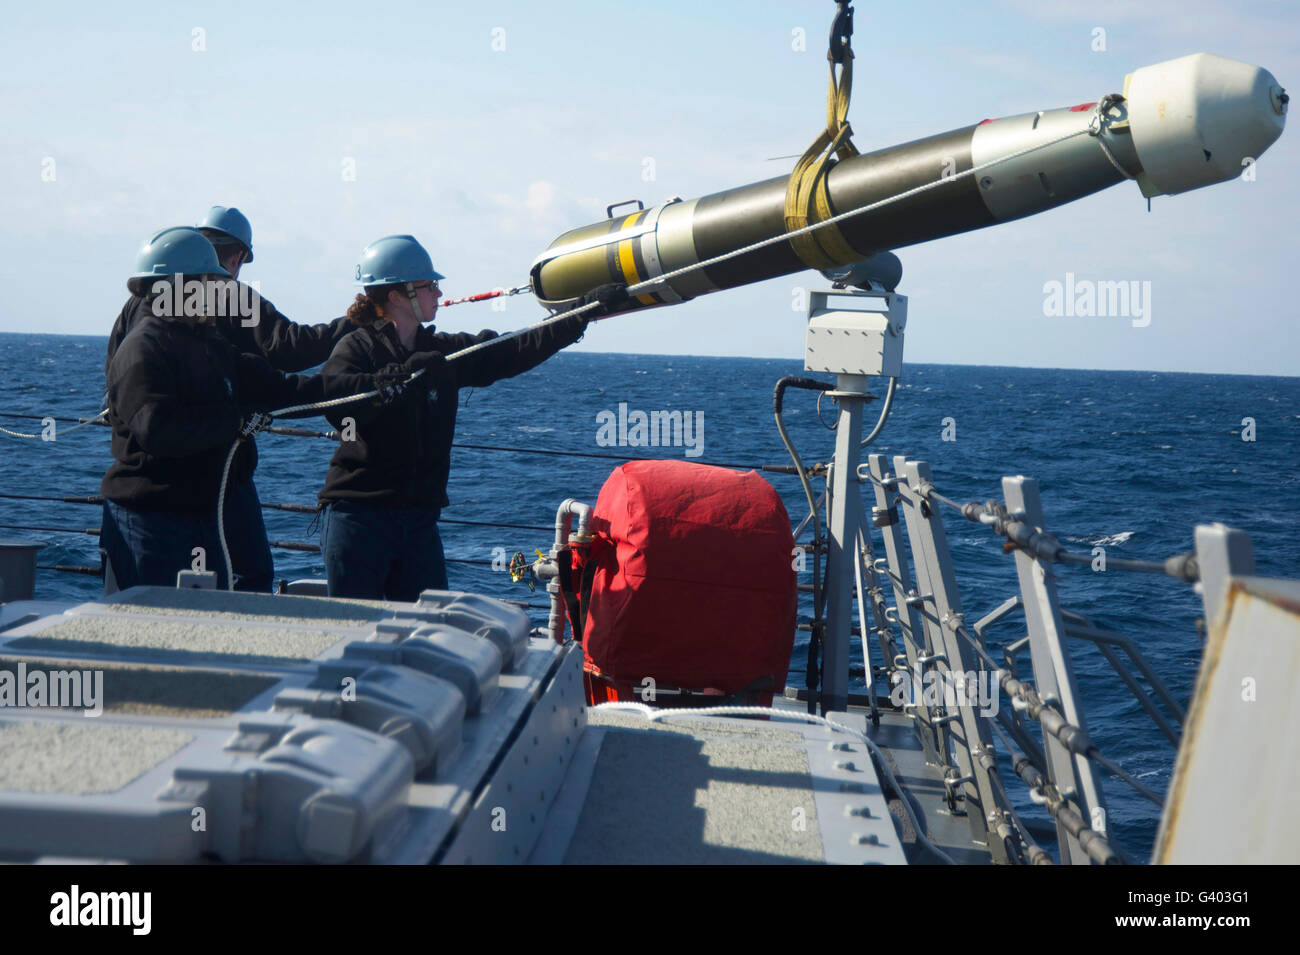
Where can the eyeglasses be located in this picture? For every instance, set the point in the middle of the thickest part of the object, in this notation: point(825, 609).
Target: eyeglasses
point(428, 285)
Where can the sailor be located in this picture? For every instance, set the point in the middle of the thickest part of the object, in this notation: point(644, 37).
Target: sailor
point(387, 481)
point(179, 394)
point(253, 325)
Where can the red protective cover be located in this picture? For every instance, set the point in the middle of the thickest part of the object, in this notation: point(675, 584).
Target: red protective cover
point(695, 584)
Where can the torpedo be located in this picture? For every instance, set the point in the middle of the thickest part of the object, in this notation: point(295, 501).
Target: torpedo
point(1178, 126)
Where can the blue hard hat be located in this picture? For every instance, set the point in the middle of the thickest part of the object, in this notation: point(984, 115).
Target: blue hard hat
point(178, 250)
point(231, 222)
point(395, 259)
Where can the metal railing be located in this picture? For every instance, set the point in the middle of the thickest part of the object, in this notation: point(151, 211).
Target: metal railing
point(911, 605)
point(908, 600)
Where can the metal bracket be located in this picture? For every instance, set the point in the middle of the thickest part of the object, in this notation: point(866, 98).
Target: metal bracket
point(609, 210)
point(884, 516)
point(841, 33)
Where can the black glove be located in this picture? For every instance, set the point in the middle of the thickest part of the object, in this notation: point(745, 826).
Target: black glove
point(390, 382)
point(433, 365)
point(255, 367)
point(390, 387)
point(608, 299)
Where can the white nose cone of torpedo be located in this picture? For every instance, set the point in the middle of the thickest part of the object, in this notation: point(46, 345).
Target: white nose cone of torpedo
point(1201, 119)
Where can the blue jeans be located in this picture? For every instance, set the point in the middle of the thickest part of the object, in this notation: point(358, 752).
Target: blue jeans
point(250, 554)
point(381, 552)
point(151, 547)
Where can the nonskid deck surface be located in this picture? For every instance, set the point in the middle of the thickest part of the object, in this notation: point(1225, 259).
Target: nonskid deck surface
point(924, 785)
point(246, 727)
point(722, 791)
point(465, 740)
point(744, 791)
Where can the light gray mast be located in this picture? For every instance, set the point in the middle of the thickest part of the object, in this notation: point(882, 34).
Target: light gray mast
point(852, 334)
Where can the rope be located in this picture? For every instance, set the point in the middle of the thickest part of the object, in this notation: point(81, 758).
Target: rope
point(334, 436)
point(221, 514)
point(42, 417)
point(687, 269)
point(632, 290)
point(84, 423)
point(807, 197)
point(787, 236)
point(291, 508)
point(812, 668)
point(654, 715)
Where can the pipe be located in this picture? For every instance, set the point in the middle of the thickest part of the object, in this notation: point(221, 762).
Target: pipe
point(563, 539)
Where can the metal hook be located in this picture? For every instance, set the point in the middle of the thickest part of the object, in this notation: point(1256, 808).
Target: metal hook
point(841, 33)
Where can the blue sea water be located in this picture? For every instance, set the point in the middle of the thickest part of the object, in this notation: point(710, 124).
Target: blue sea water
point(1128, 460)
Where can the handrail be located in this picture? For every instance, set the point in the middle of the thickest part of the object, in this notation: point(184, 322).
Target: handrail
point(923, 632)
point(926, 621)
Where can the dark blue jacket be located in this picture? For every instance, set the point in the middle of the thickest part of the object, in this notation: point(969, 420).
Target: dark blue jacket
point(401, 453)
point(177, 395)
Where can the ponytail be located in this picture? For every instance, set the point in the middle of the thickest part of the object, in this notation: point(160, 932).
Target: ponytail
point(364, 311)
point(368, 309)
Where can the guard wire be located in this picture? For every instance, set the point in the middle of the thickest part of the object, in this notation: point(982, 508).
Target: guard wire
point(988, 762)
point(92, 499)
point(1074, 738)
point(1045, 546)
point(93, 531)
point(84, 422)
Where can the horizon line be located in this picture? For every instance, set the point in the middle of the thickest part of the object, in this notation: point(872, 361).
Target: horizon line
point(1152, 371)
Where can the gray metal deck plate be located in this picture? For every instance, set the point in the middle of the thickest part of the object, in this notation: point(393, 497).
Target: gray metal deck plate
point(78, 759)
point(112, 635)
point(676, 794)
point(267, 608)
point(718, 791)
point(190, 627)
point(159, 690)
point(183, 669)
point(896, 737)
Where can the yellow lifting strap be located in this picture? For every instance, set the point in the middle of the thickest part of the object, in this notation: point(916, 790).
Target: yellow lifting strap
point(807, 198)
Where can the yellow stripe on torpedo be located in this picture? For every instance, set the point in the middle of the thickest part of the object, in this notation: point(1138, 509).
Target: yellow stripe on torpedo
point(627, 261)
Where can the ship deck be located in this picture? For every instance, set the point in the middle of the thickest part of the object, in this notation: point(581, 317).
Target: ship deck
point(242, 687)
point(744, 791)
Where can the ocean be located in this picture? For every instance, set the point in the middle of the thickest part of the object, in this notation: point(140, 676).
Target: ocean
point(1129, 461)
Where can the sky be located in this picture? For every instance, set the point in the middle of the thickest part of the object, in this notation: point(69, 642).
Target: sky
point(488, 129)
